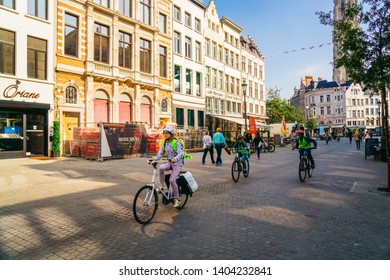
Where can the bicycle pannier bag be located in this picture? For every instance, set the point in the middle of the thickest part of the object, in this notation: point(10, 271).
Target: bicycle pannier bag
point(187, 183)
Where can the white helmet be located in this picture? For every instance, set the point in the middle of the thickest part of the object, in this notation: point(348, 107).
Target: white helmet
point(169, 129)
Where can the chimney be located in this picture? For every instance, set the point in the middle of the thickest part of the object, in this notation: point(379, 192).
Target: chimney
point(308, 80)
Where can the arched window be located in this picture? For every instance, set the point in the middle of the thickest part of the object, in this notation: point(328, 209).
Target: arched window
point(125, 110)
point(71, 95)
point(146, 113)
point(100, 106)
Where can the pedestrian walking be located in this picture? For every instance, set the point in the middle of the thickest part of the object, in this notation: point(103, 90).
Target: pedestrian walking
point(219, 143)
point(258, 143)
point(357, 137)
point(248, 139)
point(350, 136)
point(207, 147)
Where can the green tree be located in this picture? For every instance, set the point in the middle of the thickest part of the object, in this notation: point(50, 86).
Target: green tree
point(364, 50)
point(278, 107)
point(56, 142)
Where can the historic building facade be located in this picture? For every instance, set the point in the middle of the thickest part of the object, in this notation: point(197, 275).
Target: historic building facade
point(114, 62)
point(26, 77)
point(188, 50)
point(253, 75)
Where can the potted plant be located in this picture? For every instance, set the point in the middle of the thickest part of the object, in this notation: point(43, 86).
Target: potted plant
point(55, 144)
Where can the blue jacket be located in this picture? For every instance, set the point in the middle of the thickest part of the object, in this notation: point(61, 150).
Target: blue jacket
point(219, 139)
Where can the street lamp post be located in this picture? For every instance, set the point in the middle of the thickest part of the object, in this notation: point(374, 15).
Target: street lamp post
point(307, 118)
point(244, 85)
point(379, 113)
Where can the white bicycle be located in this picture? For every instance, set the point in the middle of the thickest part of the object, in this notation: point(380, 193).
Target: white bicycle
point(146, 200)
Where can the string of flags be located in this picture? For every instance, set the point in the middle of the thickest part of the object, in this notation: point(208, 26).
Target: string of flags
point(298, 50)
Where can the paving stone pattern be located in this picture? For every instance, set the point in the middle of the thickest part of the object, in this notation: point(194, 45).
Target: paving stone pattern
point(76, 209)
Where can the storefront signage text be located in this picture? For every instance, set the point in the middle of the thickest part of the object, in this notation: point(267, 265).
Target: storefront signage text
point(13, 91)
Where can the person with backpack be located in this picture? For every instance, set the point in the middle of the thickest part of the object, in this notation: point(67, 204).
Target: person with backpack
point(358, 138)
point(219, 142)
point(304, 143)
point(173, 151)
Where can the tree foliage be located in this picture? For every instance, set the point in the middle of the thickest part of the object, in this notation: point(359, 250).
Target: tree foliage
point(278, 107)
point(364, 50)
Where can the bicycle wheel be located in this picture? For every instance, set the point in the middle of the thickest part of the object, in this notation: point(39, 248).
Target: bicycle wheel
point(271, 148)
point(183, 199)
point(145, 204)
point(302, 170)
point(247, 168)
point(309, 169)
point(236, 170)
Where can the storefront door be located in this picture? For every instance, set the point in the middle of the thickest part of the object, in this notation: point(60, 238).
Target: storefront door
point(35, 134)
point(70, 120)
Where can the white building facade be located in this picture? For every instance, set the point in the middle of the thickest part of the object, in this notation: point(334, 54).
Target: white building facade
point(188, 50)
point(253, 75)
point(26, 77)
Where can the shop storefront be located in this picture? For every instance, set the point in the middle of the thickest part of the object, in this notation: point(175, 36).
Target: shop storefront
point(24, 119)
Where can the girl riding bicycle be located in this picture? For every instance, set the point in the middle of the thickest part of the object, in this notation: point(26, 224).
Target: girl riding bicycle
point(242, 150)
point(173, 151)
point(303, 143)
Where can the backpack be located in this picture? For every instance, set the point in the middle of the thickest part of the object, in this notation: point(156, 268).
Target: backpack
point(174, 141)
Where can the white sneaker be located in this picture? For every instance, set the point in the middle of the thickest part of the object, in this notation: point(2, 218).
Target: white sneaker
point(176, 202)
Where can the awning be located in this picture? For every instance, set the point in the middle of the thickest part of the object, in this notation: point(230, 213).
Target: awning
point(338, 126)
point(262, 126)
point(232, 119)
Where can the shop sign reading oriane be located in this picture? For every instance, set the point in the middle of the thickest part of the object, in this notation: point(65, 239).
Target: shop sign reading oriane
point(13, 91)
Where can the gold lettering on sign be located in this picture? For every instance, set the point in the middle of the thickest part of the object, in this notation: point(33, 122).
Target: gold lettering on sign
point(13, 91)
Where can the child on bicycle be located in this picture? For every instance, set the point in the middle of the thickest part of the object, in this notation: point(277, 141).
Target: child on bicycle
point(242, 150)
point(173, 151)
point(303, 143)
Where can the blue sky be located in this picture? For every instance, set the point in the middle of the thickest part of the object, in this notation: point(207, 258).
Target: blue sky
point(285, 25)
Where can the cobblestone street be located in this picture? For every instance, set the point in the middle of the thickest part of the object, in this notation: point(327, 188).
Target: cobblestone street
point(79, 209)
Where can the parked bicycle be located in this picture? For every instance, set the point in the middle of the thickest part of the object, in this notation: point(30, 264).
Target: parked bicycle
point(238, 167)
point(305, 167)
point(146, 200)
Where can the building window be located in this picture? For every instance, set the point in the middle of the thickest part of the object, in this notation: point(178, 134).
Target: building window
point(226, 56)
point(328, 110)
point(180, 116)
point(198, 26)
point(232, 59)
point(200, 119)
point(71, 34)
point(190, 118)
point(214, 50)
point(37, 8)
point(208, 76)
point(104, 3)
point(177, 13)
point(256, 90)
point(102, 44)
point(227, 83)
point(220, 84)
point(250, 67)
point(208, 105)
point(124, 50)
point(198, 54)
point(177, 78)
point(187, 19)
point(237, 61)
point(243, 67)
point(328, 98)
point(207, 46)
point(145, 55)
point(125, 7)
point(220, 53)
point(164, 105)
point(255, 70)
point(7, 52)
point(162, 23)
point(198, 79)
point(238, 86)
point(71, 95)
point(188, 47)
point(232, 84)
point(8, 3)
point(163, 62)
point(214, 78)
point(36, 58)
point(144, 11)
point(176, 42)
point(188, 81)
